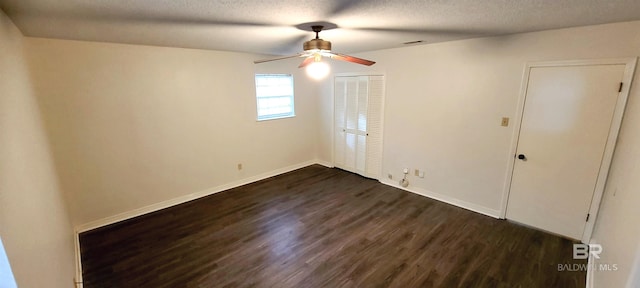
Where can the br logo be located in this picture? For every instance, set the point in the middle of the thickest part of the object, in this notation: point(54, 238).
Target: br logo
point(582, 251)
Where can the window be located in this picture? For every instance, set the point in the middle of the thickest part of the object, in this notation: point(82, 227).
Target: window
point(6, 276)
point(274, 96)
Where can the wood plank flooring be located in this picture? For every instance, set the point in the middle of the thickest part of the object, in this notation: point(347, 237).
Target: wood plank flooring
point(321, 227)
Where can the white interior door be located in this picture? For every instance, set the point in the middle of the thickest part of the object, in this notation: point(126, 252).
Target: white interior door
point(566, 122)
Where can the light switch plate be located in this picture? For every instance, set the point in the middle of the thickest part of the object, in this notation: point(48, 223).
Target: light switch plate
point(505, 121)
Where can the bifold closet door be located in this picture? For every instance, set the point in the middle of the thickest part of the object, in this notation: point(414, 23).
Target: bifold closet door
point(340, 109)
point(353, 134)
point(351, 123)
point(374, 126)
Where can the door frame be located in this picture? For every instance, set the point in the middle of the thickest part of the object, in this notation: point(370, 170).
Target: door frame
point(333, 113)
point(616, 122)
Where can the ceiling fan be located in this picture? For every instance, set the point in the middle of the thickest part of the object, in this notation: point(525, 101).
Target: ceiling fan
point(315, 49)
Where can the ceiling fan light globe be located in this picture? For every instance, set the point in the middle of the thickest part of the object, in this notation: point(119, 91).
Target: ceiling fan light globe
point(318, 70)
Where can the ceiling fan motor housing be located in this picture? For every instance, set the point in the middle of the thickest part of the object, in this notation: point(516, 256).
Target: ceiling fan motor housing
point(316, 44)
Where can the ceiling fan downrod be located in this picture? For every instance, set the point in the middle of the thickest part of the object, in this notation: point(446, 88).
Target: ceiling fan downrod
point(317, 29)
point(317, 43)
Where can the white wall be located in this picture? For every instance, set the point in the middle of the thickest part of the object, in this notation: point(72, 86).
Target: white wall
point(34, 224)
point(132, 125)
point(444, 103)
point(617, 228)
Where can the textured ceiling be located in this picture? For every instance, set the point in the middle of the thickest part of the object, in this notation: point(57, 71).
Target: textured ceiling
point(269, 27)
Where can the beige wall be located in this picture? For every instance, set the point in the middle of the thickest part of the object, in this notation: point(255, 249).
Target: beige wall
point(444, 103)
point(34, 224)
point(135, 125)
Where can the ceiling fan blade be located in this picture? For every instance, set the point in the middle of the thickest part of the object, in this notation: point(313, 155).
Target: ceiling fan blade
point(278, 58)
point(307, 61)
point(345, 6)
point(348, 58)
point(288, 46)
point(430, 31)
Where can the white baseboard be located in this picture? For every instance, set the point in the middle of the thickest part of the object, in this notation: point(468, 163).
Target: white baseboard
point(77, 281)
point(186, 198)
point(172, 202)
point(324, 163)
point(446, 199)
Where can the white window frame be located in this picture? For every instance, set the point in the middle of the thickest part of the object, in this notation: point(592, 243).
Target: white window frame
point(284, 93)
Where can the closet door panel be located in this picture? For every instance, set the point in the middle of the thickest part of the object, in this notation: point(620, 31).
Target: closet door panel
point(361, 132)
point(352, 105)
point(374, 126)
point(363, 92)
point(350, 151)
point(358, 124)
point(351, 120)
point(339, 121)
point(361, 155)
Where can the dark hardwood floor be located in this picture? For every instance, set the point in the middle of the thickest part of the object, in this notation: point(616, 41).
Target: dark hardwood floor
point(320, 227)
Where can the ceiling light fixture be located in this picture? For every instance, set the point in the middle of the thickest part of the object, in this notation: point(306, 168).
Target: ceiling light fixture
point(318, 69)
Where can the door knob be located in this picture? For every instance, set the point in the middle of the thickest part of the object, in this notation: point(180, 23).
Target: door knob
point(522, 157)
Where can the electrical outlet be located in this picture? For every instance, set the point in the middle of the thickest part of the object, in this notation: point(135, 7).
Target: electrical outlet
point(421, 174)
point(239, 166)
